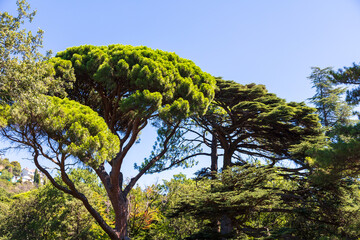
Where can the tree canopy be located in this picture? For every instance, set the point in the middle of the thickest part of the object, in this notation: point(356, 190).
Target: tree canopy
point(81, 112)
point(117, 91)
point(124, 83)
point(247, 122)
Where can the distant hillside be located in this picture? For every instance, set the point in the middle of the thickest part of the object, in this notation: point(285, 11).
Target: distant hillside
point(15, 188)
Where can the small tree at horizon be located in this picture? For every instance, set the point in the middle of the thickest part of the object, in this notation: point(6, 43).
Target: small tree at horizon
point(36, 177)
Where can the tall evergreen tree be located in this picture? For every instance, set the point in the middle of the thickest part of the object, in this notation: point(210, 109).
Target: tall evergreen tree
point(245, 123)
point(328, 101)
point(36, 177)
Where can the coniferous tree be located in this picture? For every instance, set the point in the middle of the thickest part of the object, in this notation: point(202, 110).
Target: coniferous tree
point(328, 101)
point(124, 88)
point(245, 122)
point(36, 177)
point(349, 76)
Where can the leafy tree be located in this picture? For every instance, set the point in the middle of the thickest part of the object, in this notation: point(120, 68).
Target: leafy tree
point(124, 88)
point(127, 86)
point(16, 168)
point(341, 156)
point(23, 71)
point(258, 123)
point(4, 162)
point(262, 202)
point(5, 174)
point(331, 108)
point(330, 192)
point(5, 202)
point(144, 211)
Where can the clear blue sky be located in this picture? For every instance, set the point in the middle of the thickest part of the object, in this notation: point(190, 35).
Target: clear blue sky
point(270, 42)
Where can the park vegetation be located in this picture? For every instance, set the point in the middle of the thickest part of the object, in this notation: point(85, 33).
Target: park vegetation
point(289, 171)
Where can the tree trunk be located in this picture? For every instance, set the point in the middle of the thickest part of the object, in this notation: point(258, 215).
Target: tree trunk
point(214, 156)
point(122, 217)
point(225, 222)
point(227, 158)
point(225, 226)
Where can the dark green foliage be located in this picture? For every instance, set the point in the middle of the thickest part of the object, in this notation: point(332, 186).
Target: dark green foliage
point(332, 188)
point(342, 156)
point(248, 121)
point(331, 108)
point(259, 123)
point(36, 177)
point(245, 122)
point(325, 207)
point(351, 77)
point(262, 203)
point(239, 193)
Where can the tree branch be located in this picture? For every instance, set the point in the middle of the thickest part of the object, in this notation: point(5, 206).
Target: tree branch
point(152, 161)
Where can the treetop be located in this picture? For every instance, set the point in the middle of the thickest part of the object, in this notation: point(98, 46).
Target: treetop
point(70, 127)
point(137, 82)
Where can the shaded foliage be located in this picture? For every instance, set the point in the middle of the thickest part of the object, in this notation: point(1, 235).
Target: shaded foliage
point(349, 76)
